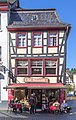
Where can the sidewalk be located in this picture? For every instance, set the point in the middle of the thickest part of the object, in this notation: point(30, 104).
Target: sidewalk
point(13, 115)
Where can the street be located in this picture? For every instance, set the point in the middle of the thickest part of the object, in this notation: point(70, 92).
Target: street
point(41, 116)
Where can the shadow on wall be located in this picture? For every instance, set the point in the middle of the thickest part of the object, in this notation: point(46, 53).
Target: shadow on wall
point(1, 76)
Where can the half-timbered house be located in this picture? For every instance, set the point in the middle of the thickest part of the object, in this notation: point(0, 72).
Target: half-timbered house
point(37, 53)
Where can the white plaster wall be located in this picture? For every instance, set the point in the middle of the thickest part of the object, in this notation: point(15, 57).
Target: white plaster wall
point(61, 33)
point(13, 35)
point(29, 35)
point(4, 55)
point(45, 35)
point(21, 51)
point(52, 50)
point(61, 60)
point(37, 50)
point(52, 79)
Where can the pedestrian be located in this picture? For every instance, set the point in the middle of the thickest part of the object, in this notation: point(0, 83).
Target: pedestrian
point(35, 102)
point(32, 104)
point(64, 104)
point(16, 100)
point(64, 107)
point(55, 106)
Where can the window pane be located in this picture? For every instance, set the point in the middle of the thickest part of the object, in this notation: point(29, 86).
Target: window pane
point(22, 63)
point(19, 42)
point(50, 67)
point(50, 41)
point(36, 67)
point(21, 70)
point(50, 63)
point(36, 70)
point(50, 70)
point(36, 63)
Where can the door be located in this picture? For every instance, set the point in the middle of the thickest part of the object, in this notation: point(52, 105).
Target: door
point(38, 94)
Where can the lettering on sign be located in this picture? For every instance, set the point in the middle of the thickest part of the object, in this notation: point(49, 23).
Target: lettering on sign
point(46, 80)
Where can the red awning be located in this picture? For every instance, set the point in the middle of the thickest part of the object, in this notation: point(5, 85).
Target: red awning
point(36, 86)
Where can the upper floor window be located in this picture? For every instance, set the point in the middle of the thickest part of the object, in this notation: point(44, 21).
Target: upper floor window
point(50, 67)
point(36, 67)
point(37, 39)
point(52, 39)
point(22, 67)
point(21, 40)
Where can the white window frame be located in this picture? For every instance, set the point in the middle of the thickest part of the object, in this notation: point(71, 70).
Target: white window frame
point(23, 64)
point(37, 42)
point(37, 65)
point(51, 64)
point(22, 40)
point(52, 39)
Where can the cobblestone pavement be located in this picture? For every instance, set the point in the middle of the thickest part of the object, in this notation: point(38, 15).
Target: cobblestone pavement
point(41, 116)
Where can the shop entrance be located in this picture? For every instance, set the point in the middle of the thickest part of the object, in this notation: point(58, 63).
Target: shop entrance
point(38, 94)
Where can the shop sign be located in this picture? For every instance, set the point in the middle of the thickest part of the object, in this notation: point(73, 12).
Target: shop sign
point(43, 80)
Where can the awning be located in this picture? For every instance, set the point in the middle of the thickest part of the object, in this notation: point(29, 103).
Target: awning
point(36, 86)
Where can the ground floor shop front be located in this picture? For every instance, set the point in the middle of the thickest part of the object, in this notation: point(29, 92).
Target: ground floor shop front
point(44, 93)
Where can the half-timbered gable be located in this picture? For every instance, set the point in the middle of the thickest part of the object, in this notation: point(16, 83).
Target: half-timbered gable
point(38, 36)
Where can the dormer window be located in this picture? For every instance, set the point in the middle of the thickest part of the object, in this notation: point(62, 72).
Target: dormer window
point(34, 17)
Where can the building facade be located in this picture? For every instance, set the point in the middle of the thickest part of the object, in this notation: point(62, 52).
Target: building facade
point(3, 51)
point(36, 50)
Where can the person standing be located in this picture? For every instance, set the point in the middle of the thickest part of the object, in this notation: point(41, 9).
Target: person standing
point(32, 104)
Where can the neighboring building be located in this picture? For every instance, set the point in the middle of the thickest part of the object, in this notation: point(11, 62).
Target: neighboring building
point(68, 79)
point(70, 82)
point(74, 79)
point(4, 13)
point(4, 49)
point(35, 53)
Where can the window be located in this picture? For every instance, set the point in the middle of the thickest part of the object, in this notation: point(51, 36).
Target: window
point(50, 67)
point(22, 67)
point(37, 42)
point(52, 39)
point(36, 67)
point(34, 17)
point(22, 40)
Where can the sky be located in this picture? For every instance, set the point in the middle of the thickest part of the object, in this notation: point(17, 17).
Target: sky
point(66, 10)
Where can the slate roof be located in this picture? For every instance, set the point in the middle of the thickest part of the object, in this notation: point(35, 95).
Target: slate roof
point(20, 18)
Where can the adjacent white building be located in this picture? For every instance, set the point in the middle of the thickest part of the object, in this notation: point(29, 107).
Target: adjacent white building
point(4, 49)
point(74, 79)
